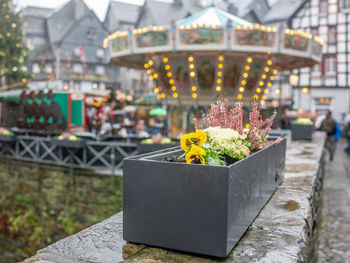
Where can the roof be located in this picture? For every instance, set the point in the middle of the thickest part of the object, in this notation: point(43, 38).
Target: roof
point(60, 22)
point(121, 13)
point(213, 16)
point(283, 10)
point(244, 7)
point(37, 11)
point(164, 12)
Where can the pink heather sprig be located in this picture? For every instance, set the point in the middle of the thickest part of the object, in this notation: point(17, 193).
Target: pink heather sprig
point(219, 115)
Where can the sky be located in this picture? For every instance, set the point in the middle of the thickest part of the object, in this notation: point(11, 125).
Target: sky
point(99, 6)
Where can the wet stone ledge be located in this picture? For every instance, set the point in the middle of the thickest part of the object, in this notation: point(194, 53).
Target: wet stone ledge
point(285, 230)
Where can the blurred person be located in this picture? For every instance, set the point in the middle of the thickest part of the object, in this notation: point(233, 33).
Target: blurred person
point(153, 128)
point(319, 120)
point(140, 129)
point(337, 134)
point(284, 121)
point(347, 132)
point(329, 126)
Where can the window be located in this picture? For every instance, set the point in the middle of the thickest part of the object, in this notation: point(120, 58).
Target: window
point(323, 101)
point(48, 68)
point(332, 34)
point(345, 4)
point(314, 31)
point(316, 68)
point(323, 6)
point(100, 70)
point(100, 54)
point(329, 65)
point(78, 68)
point(36, 68)
point(91, 33)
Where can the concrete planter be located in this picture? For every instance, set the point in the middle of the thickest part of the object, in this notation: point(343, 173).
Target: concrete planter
point(147, 148)
point(302, 132)
point(197, 208)
point(69, 143)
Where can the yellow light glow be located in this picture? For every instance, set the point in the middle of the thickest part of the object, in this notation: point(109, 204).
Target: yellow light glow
point(277, 91)
point(269, 62)
point(158, 96)
point(182, 27)
point(150, 78)
point(192, 74)
point(191, 66)
point(188, 27)
point(263, 97)
point(162, 95)
point(156, 90)
point(149, 71)
point(241, 89)
point(144, 30)
point(257, 26)
point(262, 102)
point(238, 27)
point(207, 26)
point(218, 88)
point(261, 83)
point(249, 60)
point(263, 76)
point(213, 26)
point(305, 90)
point(155, 75)
point(255, 96)
point(247, 68)
point(171, 81)
point(169, 74)
point(275, 71)
point(269, 84)
point(150, 62)
point(146, 65)
point(239, 96)
point(263, 28)
point(272, 78)
point(218, 81)
point(243, 82)
point(245, 75)
point(274, 29)
point(251, 27)
point(161, 28)
point(266, 91)
point(194, 88)
point(258, 90)
point(267, 69)
point(194, 95)
point(173, 88)
point(221, 58)
point(167, 67)
point(175, 95)
point(220, 66)
point(190, 59)
point(165, 60)
point(219, 74)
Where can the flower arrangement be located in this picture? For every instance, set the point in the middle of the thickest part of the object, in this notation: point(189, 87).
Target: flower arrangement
point(6, 132)
point(224, 140)
point(68, 136)
point(303, 121)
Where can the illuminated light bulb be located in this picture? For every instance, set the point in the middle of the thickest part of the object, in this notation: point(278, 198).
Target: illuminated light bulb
point(245, 75)
point(266, 91)
point(188, 27)
point(243, 82)
point(162, 95)
point(274, 29)
point(221, 58)
point(255, 96)
point(277, 91)
point(219, 74)
point(146, 65)
point(213, 26)
point(245, 27)
point(150, 62)
point(241, 89)
point(139, 30)
point(207, 26)
point(269, 84)
point(155, 28)
point(269, 62)
point(171, 81)
point(249, 60)
point(218, 81)
point(258, 90)
point(218, 88)
point(158, 96)
point(149, 71)
point(175, 95)
point(220, 66)
point(192, 74)
point(263, 97)
point(194, 26)
point(263, 76)
point(156, 90)
point(262, 102)
point(275, 71)
point(263, 28)
point(160, 28)
point(257, 26)
point(267, 69)
point(165, 60)
point(251, 27)
point(239, 96)
point(181, 27)
point(194, 95)
point(194, 88)
point(169, 74)
point(167, 67)
point(261, 83)
point(155, 75)
point(247, 68)
point(173, 88)
point(272, 78)
point(190, 59)
point(305, 90)
point(144, 30)
point(191, 66)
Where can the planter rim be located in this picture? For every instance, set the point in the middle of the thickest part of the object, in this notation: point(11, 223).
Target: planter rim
point(173, 149)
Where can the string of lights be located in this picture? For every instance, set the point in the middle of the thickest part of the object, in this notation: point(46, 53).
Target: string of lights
point(244, 78)
point(191, 67)
point(220, 74)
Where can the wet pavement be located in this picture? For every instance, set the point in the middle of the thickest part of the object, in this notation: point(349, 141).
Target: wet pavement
point(334, 235)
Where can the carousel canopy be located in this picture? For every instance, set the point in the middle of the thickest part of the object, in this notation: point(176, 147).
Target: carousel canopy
point(213, 16)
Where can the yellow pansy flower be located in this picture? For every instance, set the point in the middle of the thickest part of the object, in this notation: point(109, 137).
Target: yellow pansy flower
point(195, 155)
point(197, 138)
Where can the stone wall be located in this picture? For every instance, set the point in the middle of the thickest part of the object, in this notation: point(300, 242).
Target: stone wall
point(42, 204)
point(285, 230)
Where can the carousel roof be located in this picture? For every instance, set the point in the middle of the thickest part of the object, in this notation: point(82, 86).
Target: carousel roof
point(213, 16)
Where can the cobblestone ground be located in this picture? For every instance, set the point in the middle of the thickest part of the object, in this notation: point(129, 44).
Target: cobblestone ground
point(335, 228)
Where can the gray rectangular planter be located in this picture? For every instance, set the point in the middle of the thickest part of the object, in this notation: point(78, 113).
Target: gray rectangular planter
point(302, 132)
point(197, 208)
point(147, 148)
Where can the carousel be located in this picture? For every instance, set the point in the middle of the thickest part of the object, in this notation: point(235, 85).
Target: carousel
point(211, 55)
